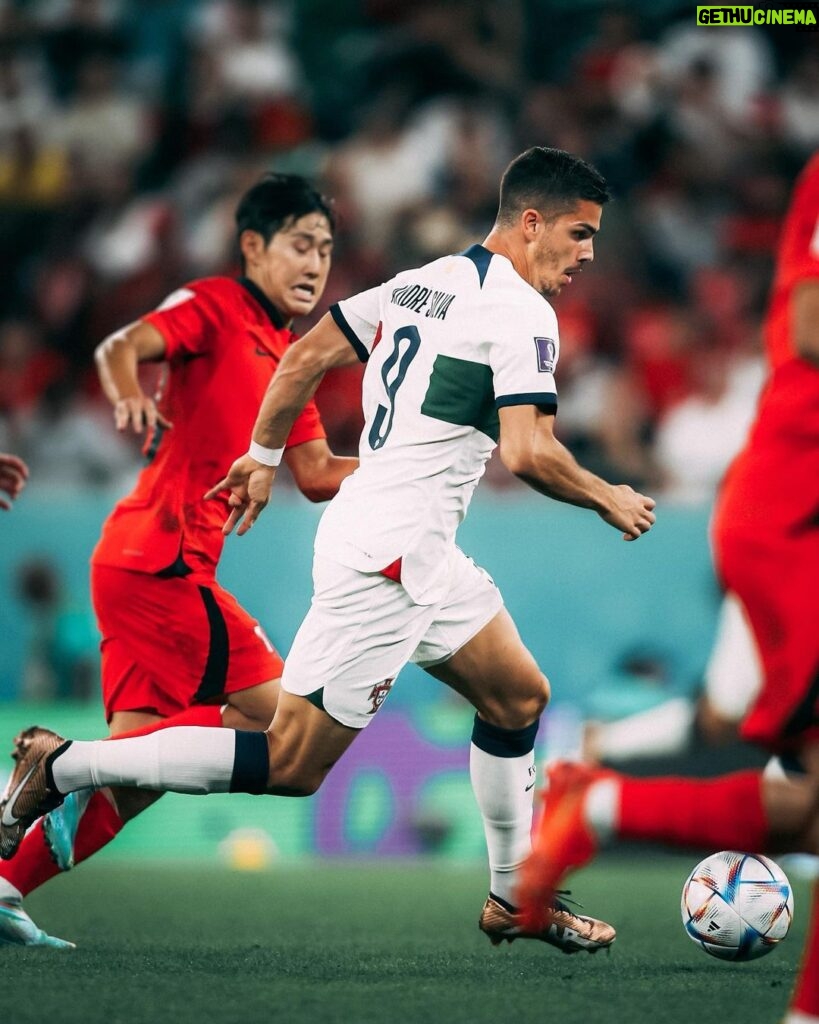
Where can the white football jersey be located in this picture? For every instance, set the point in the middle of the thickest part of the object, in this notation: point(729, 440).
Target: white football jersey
point(446, 346)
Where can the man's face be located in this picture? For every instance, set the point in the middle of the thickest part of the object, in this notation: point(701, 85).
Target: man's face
point(564, 246)
point(292, 268)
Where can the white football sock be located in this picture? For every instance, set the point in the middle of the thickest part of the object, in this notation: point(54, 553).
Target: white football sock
point(504, 791)
point(664, 729)
point(186, 759)
point(601, 809)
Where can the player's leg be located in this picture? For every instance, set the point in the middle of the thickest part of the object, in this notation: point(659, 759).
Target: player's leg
point(18, 929)
point(731, 680)
point(748, 810)
point(474, 647)
point(187, 651)
point(586, 808)
point(84, 824)
point(745, 810)
point(290, 759)
point(87, 822)
point(770, 811)
point(358, 634)
point(251, 708)
point(804, 1008)
point(501, 757)
point(69, 832)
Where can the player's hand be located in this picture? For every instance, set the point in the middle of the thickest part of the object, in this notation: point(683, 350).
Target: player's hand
point(13, 476)
point(138, 412)
point(250, 484)
point(630, 511)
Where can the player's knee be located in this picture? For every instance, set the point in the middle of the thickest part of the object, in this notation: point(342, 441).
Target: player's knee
point(516, 708)
point(543, 694)
point(532, 704)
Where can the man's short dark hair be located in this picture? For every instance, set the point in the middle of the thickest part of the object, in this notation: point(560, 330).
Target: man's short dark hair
point(550, 181)
point(276, 201)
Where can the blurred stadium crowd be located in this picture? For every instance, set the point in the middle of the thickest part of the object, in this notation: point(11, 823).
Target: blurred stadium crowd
point(128, 129)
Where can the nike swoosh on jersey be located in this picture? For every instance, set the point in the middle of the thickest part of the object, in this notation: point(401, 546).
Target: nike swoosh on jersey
point(8, 819)
point(530, 786)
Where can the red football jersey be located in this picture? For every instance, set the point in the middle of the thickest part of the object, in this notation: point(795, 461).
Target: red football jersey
point(797, 260)
point(224, 340)
point(774, 483)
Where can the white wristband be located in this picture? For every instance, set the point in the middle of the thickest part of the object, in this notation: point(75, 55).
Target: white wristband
point(267, 456)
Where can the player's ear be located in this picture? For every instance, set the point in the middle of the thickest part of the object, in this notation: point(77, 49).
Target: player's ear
point(251, 244)
point(530, 222)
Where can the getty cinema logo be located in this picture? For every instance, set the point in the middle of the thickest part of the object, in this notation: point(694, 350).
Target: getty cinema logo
point(802, 17)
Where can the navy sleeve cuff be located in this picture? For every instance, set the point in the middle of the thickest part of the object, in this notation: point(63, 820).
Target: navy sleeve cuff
point(359, 349)
point(545, 400)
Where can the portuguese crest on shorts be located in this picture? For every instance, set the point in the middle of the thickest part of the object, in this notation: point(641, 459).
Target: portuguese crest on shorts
point(378, 694)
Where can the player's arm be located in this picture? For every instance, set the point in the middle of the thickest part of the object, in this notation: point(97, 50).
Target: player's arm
point(530, 450)
point(118, 359)
point(294, 383)
point(317, 471)
point(297, 376)
point(805, 313)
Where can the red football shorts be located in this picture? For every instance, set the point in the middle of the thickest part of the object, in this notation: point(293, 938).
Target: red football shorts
point(170, 643)
point(776, 579)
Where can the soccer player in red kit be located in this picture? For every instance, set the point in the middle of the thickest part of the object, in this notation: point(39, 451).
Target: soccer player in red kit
point(766, 540)
point(176, 647)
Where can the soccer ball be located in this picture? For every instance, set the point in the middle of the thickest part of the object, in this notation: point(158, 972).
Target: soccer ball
point(737, 906)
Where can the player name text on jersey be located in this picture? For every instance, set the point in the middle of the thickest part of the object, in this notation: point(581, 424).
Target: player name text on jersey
point(417, 296)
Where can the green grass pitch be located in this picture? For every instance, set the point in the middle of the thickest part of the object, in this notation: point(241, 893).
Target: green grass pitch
point(370, 942)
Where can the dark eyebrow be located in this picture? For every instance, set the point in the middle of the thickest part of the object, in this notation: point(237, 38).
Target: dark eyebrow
point(588, 227)
point(308, 236)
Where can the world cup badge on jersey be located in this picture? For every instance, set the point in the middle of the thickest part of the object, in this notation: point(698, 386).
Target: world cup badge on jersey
point(378, 694)
point(546, 352)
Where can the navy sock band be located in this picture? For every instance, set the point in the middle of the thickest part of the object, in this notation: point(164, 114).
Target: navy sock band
point(52, 757)
point(251, 763)
point(504, 742)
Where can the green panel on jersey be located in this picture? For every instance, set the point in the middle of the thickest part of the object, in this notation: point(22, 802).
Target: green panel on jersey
point(461, 392)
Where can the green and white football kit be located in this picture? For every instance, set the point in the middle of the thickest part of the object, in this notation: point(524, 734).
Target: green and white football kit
point(446, 346)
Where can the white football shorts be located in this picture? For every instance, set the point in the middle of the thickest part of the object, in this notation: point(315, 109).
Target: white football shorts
point(362, 628)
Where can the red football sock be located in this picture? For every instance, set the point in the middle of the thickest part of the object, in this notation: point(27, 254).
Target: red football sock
point(207, 715)
point(33, 864)
point(99, 824)
point(725, 813)
point(806, 993)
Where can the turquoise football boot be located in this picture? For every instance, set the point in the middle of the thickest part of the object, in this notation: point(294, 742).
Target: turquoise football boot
point(17, 928)
point(60, 827)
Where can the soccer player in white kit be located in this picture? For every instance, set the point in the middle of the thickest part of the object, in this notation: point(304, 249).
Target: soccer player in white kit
point(460, 356)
